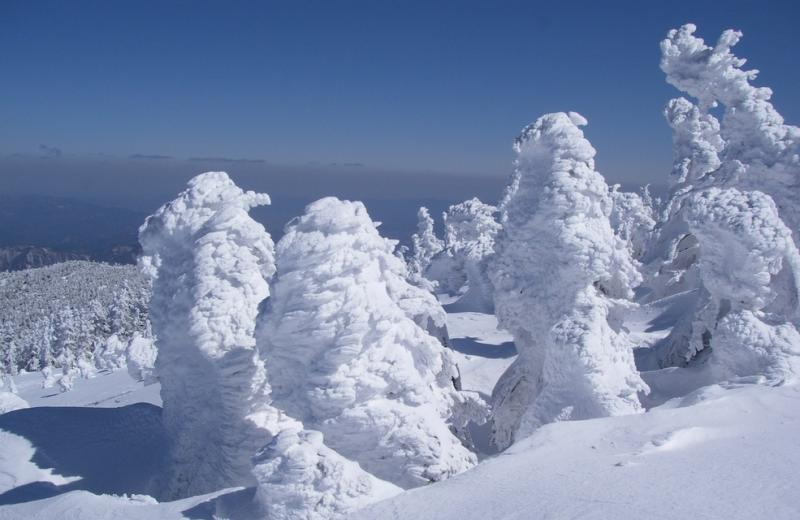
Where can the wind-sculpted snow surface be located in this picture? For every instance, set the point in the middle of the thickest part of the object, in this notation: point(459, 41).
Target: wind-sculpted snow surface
point(299, 478)
point(749, 266)
point(346, 358)
point(210, 263)
point(470, 231)
point(557, 272)
point(761, 151)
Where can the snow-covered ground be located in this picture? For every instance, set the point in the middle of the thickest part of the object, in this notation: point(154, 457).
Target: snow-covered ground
point(715, 452)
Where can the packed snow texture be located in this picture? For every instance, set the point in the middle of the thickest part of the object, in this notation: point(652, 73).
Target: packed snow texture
point(346, 357)
point(210, 263)
point(558, 271)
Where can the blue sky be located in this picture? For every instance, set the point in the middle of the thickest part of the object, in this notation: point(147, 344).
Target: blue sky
point(385, 86)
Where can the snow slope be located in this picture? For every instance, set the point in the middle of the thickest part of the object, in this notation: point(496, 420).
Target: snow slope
point(718, 453)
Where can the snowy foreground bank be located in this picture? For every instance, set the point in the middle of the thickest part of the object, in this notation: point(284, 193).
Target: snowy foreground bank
point(718, 452)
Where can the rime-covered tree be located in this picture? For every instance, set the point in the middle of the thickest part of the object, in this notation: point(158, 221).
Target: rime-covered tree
point(632, 219)
point(559, 272)
point(470, 231)
point(761, 152)
point(720, 166)
point(672, 253)
point(749, 267)
point(210, 263)
point(425, 246)
point(346, 358)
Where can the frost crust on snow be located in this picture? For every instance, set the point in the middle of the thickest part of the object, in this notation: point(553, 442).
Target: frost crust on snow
point(557, 271)
point(210, 263)
point(347, 357)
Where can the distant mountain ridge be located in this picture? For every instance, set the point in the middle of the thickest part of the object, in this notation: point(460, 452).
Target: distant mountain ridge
point(36, 231)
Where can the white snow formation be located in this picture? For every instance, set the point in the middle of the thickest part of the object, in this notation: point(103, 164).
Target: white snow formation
point(346, 357)
point(761, 152)
point(425, 246)
point(730, 230)
point(210, 263)
point(470, 231)
point(558, 272)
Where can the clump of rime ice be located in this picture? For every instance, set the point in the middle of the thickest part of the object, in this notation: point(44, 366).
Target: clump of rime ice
point(299, 478)
point(347, 358)
point(559, 272)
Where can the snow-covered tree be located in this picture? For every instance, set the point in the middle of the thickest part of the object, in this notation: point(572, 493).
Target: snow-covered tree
point(9, 400)
point(299, 478)
point(761, 152)
point(63, 315)
point(425, 245)
point(470, 231)
point(672, 253)
point(720, 167)
point(559, 272)
point(209, 262)
point(632, 219)
point(346, 358)
point(749, 267)
point(140, 359)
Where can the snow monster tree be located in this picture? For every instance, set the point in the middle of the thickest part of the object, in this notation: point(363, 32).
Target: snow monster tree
point(346, 358)
point(559, 271)
point(209, 262)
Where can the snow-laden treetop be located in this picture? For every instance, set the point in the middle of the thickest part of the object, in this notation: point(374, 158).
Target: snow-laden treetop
point(208, 224)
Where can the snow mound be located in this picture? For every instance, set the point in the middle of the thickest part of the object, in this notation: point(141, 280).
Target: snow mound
point(301, 479)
